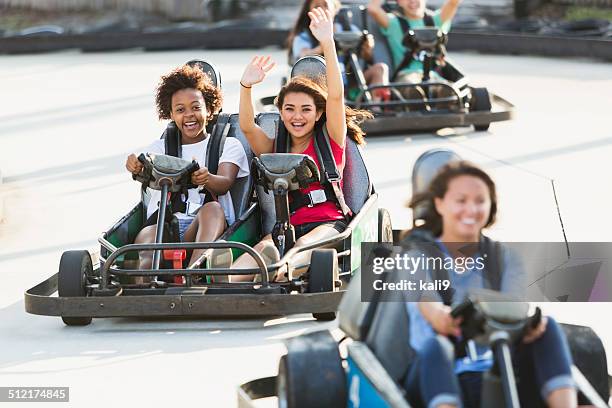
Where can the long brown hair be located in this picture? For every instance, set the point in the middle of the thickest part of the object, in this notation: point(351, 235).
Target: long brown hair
point(303, 24)
point(438, 188)
point(319, 94)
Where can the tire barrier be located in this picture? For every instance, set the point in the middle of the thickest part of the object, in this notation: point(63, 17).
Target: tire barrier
point(570, 44)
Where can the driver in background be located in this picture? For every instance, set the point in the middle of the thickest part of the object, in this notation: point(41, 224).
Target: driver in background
point(394, 26)
point(302, 42)
point(187, 97)
point(462, 202)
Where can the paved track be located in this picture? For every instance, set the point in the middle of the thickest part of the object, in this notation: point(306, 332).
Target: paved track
point(69, 120)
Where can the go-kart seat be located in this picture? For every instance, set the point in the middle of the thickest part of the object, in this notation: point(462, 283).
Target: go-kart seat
point(424, 170)
point(242, 189)
point(356, 187)
point(382, 324)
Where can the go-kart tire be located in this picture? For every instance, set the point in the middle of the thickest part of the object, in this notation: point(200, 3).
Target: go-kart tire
point(311, 374)
point(74, 268)
point(322, 276)
point(481, 102)
point(385, 228)
point(589, 355)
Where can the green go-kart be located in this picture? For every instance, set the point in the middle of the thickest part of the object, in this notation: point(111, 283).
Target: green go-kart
point(104, 284)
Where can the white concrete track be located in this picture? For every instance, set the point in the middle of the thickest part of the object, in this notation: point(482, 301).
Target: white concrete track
point(70, 119)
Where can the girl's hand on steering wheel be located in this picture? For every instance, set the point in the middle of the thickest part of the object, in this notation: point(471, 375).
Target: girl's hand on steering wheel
point(536, 332)
point(322, 25)
point(256, 71)
point(200, 177)
point(133, 165)
point(445, 324)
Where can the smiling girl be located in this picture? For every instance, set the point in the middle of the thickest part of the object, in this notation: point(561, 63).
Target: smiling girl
point(305, 106)
point(462, 201)
point(187, 97)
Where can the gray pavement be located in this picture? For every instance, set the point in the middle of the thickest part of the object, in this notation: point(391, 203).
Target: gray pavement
point(70, 119)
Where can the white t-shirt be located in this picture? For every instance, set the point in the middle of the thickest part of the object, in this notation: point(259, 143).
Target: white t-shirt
point(233, 152)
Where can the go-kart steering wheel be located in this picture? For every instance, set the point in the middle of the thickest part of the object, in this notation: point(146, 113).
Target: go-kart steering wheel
point(171, 171)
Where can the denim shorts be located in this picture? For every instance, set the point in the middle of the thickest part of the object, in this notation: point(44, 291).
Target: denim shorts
point(184, 223)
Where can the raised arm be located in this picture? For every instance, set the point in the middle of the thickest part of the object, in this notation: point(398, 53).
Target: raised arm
point(378, 13)
point(322, 27)
point(254, 73)
point(448, 10)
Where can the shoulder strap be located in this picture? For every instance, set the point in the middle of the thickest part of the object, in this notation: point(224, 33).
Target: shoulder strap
point(331, 175)
point(403, 22)
point(217, 142)
point(424, 236)
point(428, 19)
point(172, 140)
point(491, 251)
point(324, 152)
point(405, 26)
point(214, 149)
point(281, 142)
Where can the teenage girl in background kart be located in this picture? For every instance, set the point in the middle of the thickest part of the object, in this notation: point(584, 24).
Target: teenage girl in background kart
point(462, 202)
point(187, 97)
point(303, 105)
point(412, 15)
point(301, 42)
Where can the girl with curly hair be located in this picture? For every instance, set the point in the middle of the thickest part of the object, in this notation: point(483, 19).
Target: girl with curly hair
point(187, 97)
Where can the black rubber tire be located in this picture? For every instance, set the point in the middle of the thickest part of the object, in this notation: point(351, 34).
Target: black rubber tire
point(589, 356)
point(322, 276)
point(311, 374)
point(480, 102)
point(74, 268)
point(385, 228)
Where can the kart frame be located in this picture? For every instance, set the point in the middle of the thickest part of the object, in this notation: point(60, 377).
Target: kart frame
point(235, 299)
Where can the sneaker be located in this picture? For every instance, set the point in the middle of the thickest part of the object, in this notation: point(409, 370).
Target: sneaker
point(270, 255)
point(220, 258)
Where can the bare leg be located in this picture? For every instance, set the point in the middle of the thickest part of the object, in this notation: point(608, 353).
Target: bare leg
point(377, 74)
point(208, 225)
point(303, 258)
point(246, 261)
point(562, 398)
point(145, 236)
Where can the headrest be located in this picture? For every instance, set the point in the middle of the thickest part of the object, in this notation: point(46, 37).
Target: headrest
point(311, 67)
point(426, 38)
point(425, 169)
point(427, 166)
point(348, 40)
point(209, 69)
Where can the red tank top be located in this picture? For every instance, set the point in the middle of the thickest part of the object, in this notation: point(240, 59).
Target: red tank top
point(327, 211)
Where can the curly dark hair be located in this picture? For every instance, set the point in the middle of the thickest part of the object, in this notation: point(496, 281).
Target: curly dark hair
point(305, 85)
point(439, 186)
point(186, 77)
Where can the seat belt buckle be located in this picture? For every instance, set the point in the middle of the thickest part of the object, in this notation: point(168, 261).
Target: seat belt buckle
point(317, 197)
point(332, 179)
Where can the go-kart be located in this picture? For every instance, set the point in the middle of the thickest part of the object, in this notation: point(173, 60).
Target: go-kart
point(366, 368)
point(103, 284)
point(443, 97)
point(376, 346)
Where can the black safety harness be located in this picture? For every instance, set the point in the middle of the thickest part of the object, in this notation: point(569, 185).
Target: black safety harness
point(489, 249)
point(172, 147)
point(405, 25)
point(330, 176)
